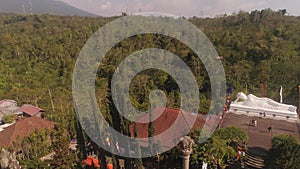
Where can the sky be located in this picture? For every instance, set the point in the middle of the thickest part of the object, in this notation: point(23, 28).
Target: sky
point(187, 8)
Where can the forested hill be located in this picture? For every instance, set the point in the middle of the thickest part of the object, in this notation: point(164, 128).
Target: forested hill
point(258, 47)
point(41, 7)
point(38, 53)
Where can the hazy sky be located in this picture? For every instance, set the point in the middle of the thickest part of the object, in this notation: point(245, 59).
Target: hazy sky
point(186, 8)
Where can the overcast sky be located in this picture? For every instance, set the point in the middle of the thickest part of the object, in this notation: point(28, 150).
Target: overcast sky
point(185, 8)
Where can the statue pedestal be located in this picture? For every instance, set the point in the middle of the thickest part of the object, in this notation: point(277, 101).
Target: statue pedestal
point(186, 149)
point(186, 162)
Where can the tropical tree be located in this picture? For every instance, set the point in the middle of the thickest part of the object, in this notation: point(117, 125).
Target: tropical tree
point(221, 147)
point(285, 153)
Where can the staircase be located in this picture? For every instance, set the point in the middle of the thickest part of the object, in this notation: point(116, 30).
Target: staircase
point(254, 161)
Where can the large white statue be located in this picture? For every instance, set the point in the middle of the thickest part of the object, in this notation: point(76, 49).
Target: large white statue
point(255, 106)
point(239, 96)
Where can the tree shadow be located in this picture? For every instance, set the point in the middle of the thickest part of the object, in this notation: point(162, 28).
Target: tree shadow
point(258, 151)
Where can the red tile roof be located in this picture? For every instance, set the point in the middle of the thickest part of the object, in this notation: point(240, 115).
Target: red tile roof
point(22, 129)
point(30, 110)
point(164, 119)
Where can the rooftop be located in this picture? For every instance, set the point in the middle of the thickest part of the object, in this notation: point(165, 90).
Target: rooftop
point(23, 128)
point(30, 109)
point(8, 107)
point(166, 119)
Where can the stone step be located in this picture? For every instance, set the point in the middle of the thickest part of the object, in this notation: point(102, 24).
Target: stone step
point(254, 165)
point(254, 161)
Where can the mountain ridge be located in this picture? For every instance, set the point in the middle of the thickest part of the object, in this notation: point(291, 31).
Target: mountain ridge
point(53, 7)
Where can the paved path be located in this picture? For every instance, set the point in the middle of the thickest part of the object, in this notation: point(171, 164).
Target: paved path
point(259, 137)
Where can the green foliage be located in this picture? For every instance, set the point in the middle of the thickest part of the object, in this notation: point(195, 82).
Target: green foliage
point(35, 163)
point(222, 145)
point(40, 143)
point(9, 118)
point(30, 149)
point(260, 47)
point(38, 53)
point(232, 134)
point(64, 157)
point(285, 153)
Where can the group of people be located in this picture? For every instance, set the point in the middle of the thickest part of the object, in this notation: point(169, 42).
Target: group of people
point(120, 150)
point(227, 103)
point(254, 122)
point(226, 107)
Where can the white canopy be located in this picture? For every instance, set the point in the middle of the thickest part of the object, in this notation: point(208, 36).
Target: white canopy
point(263, 107)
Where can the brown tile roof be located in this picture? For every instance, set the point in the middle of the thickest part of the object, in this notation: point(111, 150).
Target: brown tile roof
point(30, 109)
point(22, 129)
point(163, 120)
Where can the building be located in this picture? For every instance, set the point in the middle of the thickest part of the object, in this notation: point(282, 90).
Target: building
point(23, 128)
point(9, 107)
point(30, 111)
point(163, 120)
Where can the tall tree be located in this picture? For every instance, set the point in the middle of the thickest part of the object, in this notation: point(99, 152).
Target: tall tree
point(284, 153)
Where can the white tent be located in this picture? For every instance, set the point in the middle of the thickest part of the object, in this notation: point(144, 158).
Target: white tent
point(263, 107)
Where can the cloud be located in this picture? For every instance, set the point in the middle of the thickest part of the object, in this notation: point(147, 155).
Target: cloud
point(105, 6)
point(175, 7)
point(194, 7)
point(186, 8)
